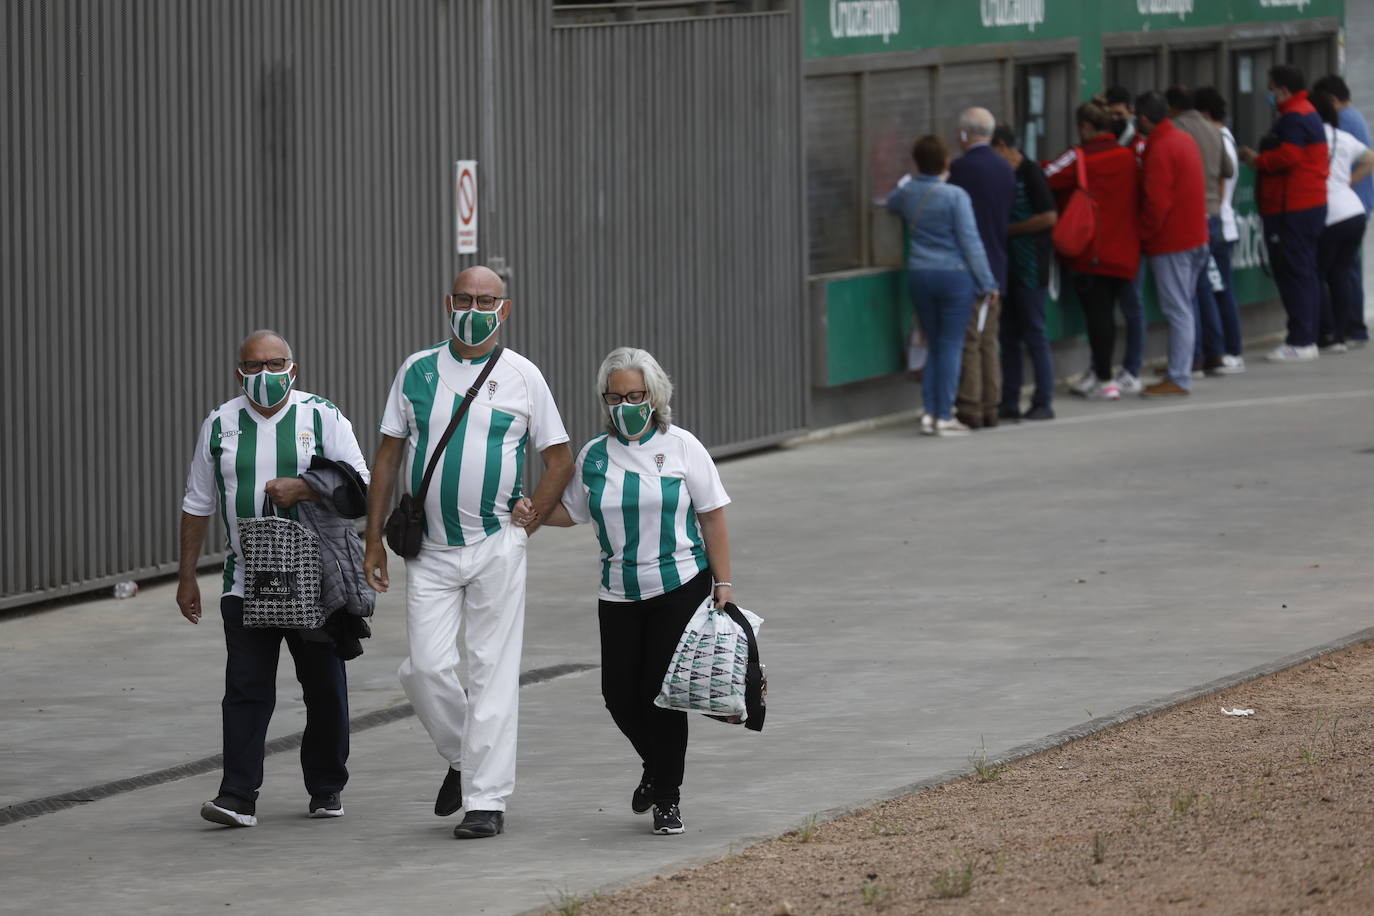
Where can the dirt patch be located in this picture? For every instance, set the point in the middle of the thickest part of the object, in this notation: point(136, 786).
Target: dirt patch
point(1187, 810)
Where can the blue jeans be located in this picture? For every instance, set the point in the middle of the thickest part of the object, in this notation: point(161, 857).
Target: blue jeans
point(1176, 276)
point(1133, 314)
point(1292, 242)
point(944, 302)
point(1207, 339)
point(250, 693)
point(1023, 324)
point(1227, 309)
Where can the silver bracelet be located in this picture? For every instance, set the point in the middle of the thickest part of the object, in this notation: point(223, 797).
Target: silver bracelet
point(719, 584)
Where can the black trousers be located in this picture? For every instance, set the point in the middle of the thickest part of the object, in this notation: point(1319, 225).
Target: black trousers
point(1098, 294)
point(638, 639)
point(250, 695)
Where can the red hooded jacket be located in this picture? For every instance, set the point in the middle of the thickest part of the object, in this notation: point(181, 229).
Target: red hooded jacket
point(1292, 175)
point(1114, 183)
point(1173, 206)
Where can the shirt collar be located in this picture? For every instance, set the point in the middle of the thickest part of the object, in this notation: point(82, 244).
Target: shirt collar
point(653, 428)
point(475, 361)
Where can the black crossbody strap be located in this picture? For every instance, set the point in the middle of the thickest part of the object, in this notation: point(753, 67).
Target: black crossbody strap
point(419, 497)
point(753, 687)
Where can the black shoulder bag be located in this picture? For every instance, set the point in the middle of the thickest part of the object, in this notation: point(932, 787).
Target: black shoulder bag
point(405, 528)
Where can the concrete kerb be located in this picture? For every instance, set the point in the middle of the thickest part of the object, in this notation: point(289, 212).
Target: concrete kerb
point(1021, 752)
point(25, 810)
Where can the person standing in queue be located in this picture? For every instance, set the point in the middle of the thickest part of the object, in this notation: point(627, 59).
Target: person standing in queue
point(469, 575)
point(261, 442)
point(654, 498)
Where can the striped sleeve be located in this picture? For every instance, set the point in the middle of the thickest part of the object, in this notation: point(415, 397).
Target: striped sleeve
point(575, 493)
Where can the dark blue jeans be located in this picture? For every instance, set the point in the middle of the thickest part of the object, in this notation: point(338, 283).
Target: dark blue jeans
point(1207, 322)
point(1338, 263)
point(1227, 308)
point(1023, 325)
point(250, 694)
point(944, 302)
point(1133, 315)
point(1291, 239)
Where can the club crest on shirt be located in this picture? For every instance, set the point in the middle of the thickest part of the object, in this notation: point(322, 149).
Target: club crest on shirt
point(658, 462)
point(491, 389)
point(306, 438)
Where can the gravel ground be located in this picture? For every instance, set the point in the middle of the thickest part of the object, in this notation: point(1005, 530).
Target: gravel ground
point(1188, 810)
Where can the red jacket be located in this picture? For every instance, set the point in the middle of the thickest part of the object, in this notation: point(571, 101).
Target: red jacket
point(1114, 182)
point(1173, 206)
point(1292, 175)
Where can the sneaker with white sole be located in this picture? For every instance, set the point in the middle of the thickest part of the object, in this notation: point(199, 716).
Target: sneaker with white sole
point(1288, 354)
point(326, 805)
point(1103, 391)
point(1128, 383)
point(1082, 384)
point(927, 425)
point(1230, 365)
point(1335, 347)
point(951, 427)
point(667, 820)
point(231, 811)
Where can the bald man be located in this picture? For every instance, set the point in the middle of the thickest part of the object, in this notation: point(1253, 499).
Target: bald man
point(469, 575)
point(252, 446)
point(991, 183)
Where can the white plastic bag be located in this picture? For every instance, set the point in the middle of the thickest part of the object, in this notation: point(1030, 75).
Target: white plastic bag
point(707, 673)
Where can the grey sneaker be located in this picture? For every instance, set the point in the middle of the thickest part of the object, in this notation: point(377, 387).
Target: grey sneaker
point(667, 820)
point(231, 811)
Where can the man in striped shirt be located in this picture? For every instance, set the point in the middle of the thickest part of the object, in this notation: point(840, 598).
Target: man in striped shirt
point(254, 446)
point(471, 567)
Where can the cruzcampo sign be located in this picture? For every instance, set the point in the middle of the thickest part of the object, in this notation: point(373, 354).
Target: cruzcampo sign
point(836, 28)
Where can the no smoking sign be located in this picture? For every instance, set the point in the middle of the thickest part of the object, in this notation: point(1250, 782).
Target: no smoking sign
point(465, 205)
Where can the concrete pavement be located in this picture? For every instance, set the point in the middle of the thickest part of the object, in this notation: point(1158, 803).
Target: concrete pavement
point(923, 598)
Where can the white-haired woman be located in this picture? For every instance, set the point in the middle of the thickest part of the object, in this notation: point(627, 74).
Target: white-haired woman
point(655, 500)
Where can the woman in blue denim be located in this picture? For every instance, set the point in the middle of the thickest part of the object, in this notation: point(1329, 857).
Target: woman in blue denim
point(947, 270)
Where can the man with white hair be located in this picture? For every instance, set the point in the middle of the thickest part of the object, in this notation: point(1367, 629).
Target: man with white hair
point(991, 183)
point(469, 574)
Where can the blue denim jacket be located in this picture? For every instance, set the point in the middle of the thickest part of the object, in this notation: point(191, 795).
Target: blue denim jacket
point(944, 236)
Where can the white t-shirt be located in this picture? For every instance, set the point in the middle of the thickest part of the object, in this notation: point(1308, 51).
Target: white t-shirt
point(1230, 232)
point(642, 497)
point(482, 471)
point(239, 450)
point(1341, 200)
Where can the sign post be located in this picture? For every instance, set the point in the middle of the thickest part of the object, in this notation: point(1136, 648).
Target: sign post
point(465, 205)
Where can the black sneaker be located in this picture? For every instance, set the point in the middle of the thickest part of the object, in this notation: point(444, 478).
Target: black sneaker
point(667, 820)
point(327, 805)
point(231, 811)
point(1041, 412)
point(478, 825)
point(643, 798)
point(450, 797)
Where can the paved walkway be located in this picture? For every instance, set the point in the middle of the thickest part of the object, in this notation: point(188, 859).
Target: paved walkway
point(924, 598)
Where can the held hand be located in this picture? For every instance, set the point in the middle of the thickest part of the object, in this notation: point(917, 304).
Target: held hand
point(724, 594)
point(285, 492)
point(1247, 155)
point(523, 515)
point(188, 599)
point(994, 297)
point(374, 566)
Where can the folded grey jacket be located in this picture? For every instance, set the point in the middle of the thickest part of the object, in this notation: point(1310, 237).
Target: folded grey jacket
point(343, 498)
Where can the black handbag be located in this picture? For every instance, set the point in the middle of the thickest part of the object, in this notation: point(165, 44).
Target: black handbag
point(405, 527)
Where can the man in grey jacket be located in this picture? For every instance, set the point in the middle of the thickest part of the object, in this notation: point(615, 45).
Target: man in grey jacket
point(1216, 168)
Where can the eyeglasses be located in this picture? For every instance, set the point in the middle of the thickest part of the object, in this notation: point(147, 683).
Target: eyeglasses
point(630, 397)
point(254, 366)
point(465, 301)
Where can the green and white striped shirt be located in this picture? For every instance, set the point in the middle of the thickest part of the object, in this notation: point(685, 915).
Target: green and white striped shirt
point(239, 450)
point(642, 497)
point(481, 473)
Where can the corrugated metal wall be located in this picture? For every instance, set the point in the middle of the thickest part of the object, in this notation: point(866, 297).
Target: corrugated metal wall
point(176, 175)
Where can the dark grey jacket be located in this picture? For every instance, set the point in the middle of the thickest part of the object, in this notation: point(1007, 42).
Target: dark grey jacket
point(343, 498)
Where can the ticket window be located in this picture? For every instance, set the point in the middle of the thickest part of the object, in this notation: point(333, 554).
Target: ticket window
point(831, 123)
point(1138, 73)
point(1043, 109)
point(1313, 58)
point(1251, 116)
point(1194, 68)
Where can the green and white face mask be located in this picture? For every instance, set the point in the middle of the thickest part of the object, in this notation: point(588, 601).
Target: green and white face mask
point(632, 419)
point(473, 327)
point(268, 389)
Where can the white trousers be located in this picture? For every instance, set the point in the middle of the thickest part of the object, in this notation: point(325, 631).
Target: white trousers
point(482, 588)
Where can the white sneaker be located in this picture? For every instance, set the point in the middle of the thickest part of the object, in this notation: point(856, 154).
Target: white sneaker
point(927, 425)
point(951, 427)
point(1337, 347)
point(1230, 365)
point(1104, 391)
point(1287, 354)
point(1129, 384)
point(1082, 384)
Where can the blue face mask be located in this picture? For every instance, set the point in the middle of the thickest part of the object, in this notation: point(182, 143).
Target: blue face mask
point(1272, 100)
